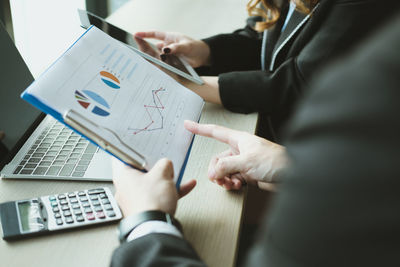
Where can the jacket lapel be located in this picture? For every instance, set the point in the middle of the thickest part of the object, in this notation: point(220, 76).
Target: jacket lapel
point(273, 35)
point(294, 25)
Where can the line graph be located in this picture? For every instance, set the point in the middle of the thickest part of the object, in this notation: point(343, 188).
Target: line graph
point(158, 107)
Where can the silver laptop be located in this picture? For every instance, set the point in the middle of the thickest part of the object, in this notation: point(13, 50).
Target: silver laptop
point(33, 145)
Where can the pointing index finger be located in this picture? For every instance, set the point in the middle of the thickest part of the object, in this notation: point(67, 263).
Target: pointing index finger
point(222, 134)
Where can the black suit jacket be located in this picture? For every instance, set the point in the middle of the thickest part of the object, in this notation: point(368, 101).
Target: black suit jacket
point(292, 57)
point(339, 202)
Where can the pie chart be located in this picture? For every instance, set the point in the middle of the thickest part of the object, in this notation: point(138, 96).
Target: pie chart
point(92, 101)
point(110, 80)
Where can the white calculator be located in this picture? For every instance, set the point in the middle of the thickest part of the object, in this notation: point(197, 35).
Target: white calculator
point(58, 212)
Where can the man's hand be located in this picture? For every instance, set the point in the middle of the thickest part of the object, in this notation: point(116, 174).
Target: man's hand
point(250, 159)
point(155, 190)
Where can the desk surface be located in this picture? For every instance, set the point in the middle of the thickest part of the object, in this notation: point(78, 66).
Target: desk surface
point(210, 216)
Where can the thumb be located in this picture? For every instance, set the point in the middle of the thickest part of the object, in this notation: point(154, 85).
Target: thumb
point(186, 188)
point(175, 48)
point(228, 166)
point(163, 168)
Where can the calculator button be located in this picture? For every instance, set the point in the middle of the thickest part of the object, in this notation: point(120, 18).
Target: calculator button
point(93, 197)
point(96, 191)
point(108, 207)
point(110, 213)
point(77, 212)
point(96, 203)
point(105, 201)
point(100, 215)
point(84, 199)
point(88, 210)
point(63, 202)
point(90, 216)
point(56, 209)
point(70, 195)
point(69, 219)
point(80, 218)
point(103, 195)
point(57, 215)
point(73, 200)
point(85, 204)
point(52, 198)
point(75, 206)
point(62, 197)
point(59, 222)
point(64, 207)
point(98, 208)
point(54, 204)
point(81, 194)
point(67, 213)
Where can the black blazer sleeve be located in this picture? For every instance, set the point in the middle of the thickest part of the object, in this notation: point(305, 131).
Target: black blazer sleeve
point(328, 34)
point(156, 250)
point(235, 51)
point(339, 202)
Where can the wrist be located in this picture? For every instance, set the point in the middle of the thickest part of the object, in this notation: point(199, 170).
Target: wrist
point(206, 54)
point(130, 223)
point(132, 210)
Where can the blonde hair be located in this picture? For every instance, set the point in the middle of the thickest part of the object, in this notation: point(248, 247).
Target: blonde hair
point(270, 11)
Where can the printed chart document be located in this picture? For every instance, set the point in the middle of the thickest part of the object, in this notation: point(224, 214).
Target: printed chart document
point(118, 100)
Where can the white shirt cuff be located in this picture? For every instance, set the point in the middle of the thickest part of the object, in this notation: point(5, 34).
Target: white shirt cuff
point(150, 227)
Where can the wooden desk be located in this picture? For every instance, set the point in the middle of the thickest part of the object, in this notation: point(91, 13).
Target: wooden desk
point(211, 217)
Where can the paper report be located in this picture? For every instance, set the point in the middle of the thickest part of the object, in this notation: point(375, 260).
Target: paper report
point(110, 85)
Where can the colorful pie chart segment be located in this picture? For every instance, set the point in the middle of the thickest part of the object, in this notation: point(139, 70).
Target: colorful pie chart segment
point(92, 101)
point(110, 80)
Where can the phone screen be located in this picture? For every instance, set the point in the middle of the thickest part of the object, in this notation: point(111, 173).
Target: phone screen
point(129, 39)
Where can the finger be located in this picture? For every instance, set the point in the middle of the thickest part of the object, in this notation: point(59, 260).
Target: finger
point(214, 161)
point(160, 46)
point(267, 186)
point(163, 169)
point(186, 188)
point(237, 183)
point(228, 183)
point(152, 34)
point(121, 172)
point(220, 181)
point(228, 166)
point(219, 133)
point(176, 48)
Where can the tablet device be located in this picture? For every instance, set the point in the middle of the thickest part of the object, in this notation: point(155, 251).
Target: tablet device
point(147, 50)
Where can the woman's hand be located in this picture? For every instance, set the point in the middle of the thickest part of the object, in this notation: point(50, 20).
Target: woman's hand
point(136, 191)
point(250, 159)
point(195, 52)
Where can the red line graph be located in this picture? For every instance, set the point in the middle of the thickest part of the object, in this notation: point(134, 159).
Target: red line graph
point(158, 105)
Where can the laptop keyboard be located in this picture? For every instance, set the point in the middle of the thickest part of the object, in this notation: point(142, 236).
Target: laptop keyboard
point(58, 151)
